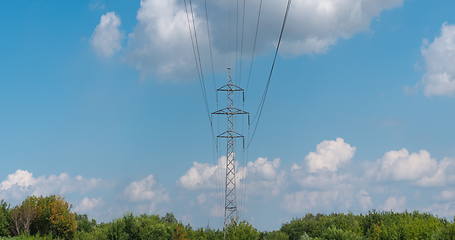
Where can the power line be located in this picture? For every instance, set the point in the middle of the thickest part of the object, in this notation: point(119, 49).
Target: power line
point(241, 42)
point(219, 178)
point(197, 58)
point(253, 54)
point(236, 38)
point(210, 45)
point(266, 90)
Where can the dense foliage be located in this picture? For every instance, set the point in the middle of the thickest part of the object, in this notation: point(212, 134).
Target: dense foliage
point(47, 218)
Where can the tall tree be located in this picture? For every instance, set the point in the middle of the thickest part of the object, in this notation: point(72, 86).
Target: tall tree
point(23, 216)
point(4, 219)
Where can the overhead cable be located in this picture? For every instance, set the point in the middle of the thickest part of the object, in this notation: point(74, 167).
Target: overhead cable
point(209, 36)
point(197, 58)
point(253, 53)
point(266, 90)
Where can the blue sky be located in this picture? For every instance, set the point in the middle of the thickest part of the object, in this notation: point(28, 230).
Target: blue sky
point(110, 114)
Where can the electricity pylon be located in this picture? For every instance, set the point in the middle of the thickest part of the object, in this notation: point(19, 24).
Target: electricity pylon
point(230, 196)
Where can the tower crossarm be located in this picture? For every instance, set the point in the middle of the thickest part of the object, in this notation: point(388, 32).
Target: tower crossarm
point(230, 111)
point(230, 134)
point(230, 87)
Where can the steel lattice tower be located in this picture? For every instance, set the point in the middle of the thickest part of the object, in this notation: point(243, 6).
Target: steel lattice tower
point(231, 136)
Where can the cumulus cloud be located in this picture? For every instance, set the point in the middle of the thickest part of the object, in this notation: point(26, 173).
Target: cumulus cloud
point(444, 174)
point(146, 190)
point(446, 209)
point(260, 177)
point(315, 26)
point(264, 177)
point(324, 186)
point(329, 156)
point(22, 183)
point(318, 201)
point(396, 204)
point(439, 56)
point(403, 165)
point(160, 42)
point(203, 175)
point(88, 204)
point(106, 39)
point(419, 167)
point(20, 178)
point(321, 180)
point(320, 168)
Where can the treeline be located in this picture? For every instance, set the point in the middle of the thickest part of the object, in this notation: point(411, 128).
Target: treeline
point(49, 218)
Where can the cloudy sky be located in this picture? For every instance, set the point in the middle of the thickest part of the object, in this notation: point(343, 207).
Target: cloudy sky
point(100, 102)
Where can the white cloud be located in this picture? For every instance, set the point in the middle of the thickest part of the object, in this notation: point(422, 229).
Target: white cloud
point(447, 195)
point(160, 42)
point(439, 79)
point(365, 200)
point(444, 174)
point(442, 209)
point(318, 201)
point(146, 190)
point(264, 168)
point(329, 156)
point(23, 183)
point(20, 178)
point(264, 177)
point(88, 204)
point(321, 180)
point(324, 187)
point(396, 204)
point(419, 167)
point(259, 177)
point(203, 175)
point(402, 165)
point(106, 39)
point(315, 26)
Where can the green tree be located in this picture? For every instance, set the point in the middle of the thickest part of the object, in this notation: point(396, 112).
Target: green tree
point(180, 232)
point(334, 233)
point(159, 231)
point(448, 233)
point(116, 231)
point(84, 224)
point(306, 237)
point(276, 235)
point(241, 231)
point(44, 216)
point(169, 218)
point(5, 219)
point(63, 221)
point(22, 216)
